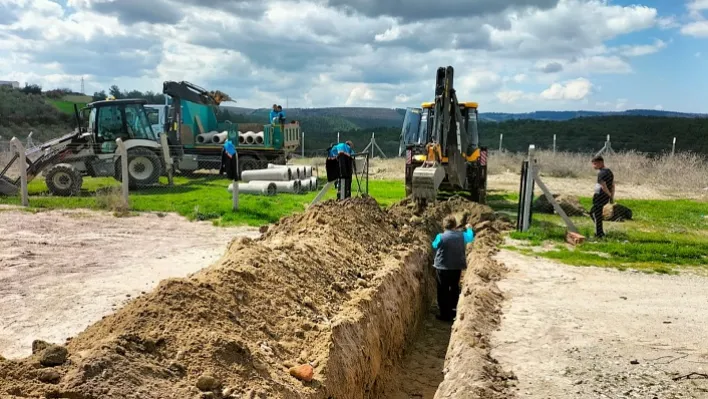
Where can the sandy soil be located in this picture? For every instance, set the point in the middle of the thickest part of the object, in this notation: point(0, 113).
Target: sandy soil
point(61, 271)
point(600, 333)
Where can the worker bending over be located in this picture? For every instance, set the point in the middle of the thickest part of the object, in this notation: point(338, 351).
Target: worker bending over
point(450, 260)
point(345, 161)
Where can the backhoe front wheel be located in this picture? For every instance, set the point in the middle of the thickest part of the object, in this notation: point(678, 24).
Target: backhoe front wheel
point(144, 168)
point(64, 180)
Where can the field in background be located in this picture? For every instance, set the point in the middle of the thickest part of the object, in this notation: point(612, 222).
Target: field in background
point(684, 175)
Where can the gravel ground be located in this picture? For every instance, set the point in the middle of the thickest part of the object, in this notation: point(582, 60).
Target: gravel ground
point(572, 332)
point(61, 271)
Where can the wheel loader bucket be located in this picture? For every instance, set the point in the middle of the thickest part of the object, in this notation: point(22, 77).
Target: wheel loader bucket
point(426, 181)
point(7, 187)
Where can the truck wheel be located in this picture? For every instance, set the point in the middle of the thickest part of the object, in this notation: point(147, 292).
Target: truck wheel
point(144, 168)
point(64, 180)
point(246, 163)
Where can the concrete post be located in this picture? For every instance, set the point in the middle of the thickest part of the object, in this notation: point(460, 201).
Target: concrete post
point(673, 147)
point(22, 162)
point(123, 154)
point(528, 194)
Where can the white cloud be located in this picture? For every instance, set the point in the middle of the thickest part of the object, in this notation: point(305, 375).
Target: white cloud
point(696, 29)
point(699, 26)
point(576, 89)
point(334, 57)
point(643, 49)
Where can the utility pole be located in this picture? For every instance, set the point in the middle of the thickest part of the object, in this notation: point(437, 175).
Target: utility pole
point(83, 91)
point(303, 144)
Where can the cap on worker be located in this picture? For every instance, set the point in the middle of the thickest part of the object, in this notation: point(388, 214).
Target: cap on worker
point(350, 144)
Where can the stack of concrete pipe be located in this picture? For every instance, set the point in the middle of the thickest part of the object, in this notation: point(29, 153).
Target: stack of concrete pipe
point(293, 179)
point(250, 138)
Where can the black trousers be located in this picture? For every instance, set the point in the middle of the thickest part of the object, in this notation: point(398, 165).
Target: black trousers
point(448, 291)
point(598, 202)
point(346, 170)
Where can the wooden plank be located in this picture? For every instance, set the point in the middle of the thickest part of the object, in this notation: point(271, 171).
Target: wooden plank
point(559, 210)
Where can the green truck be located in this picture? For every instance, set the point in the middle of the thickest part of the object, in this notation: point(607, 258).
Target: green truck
point(196, 137)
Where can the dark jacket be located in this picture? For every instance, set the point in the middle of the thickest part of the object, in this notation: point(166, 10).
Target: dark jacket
point(450, 246)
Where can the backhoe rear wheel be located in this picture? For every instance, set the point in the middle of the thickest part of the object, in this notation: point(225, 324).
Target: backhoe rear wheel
point(64, 180)
point(144, 168)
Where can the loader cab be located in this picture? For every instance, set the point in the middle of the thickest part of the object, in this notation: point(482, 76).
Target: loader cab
point(418, 127)
point(112, 119)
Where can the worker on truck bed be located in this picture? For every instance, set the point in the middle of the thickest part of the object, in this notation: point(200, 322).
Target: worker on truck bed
point(450, 260)
point(604, 193)
point(281, 115)
point(345, 159)
point(273, 114)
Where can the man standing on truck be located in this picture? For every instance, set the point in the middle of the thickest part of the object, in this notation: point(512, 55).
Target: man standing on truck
point(281, 115)
point(604, 193)
point(273, 114)
point(345, 159)
point(450, 260)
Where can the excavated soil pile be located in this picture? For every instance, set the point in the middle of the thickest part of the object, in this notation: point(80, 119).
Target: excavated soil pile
point(318, 307)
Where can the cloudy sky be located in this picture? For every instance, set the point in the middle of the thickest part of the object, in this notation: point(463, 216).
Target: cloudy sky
point(509, 55)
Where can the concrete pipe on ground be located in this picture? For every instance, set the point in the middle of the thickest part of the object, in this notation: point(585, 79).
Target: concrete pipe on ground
point(255, 187)
point(275, 174)
point(304, 185)
point(313, 183)
point(291, 186)
point(219, 138)
point(275, 166)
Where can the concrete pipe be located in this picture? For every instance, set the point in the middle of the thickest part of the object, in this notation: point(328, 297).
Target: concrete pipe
point(258, 188)
point(250, 138)
point(287, 186)
point(219, 138)
point(304, 185)
point(205, 138)
point(275, 166)
point(308, 171)
point(313, 183)
point(241, 138)
point(258, 138)
point(275, 174)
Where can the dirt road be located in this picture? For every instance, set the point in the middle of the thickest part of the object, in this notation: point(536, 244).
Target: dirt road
point(599, 333)
point(61, 271)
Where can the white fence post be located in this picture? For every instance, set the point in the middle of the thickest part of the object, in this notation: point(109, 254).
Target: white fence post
point(554, 143)
point(234, 189)
point(501, 138)
point(673, 147)
point(168, 159)
point(303, 144)
point(22, 162)
point(123, 154)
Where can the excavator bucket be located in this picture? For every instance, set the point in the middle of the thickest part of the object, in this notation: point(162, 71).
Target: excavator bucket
point(426, 180)
point(7, 187)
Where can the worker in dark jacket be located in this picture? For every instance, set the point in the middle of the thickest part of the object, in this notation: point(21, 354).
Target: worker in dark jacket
point(450, 260)
point(345, 159)
point(604, 193)
point(228, 160)
point(331, 164)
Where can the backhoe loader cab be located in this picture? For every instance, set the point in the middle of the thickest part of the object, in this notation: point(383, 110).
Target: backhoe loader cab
point(91, 150)
point(441, 146)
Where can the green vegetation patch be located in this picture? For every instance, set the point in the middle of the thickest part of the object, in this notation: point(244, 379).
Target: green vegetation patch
point(197, 199)
point(663, 236)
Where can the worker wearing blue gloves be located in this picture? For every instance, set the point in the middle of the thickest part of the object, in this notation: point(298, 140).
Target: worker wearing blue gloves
point(450, 260)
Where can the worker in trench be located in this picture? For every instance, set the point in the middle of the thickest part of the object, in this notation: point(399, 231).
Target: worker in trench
point(345, 161)
point(450, 261)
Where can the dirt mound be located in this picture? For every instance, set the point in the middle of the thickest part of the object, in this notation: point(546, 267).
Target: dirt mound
point(569, 203)
point(307, 292)
point(616, 213)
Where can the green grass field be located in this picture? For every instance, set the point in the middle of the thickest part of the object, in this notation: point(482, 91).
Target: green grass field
point(664, 235)
point(66, 106)
point(197, 199)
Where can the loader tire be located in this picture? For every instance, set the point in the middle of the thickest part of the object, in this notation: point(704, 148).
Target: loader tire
point(64, 180)
point(144, 168)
